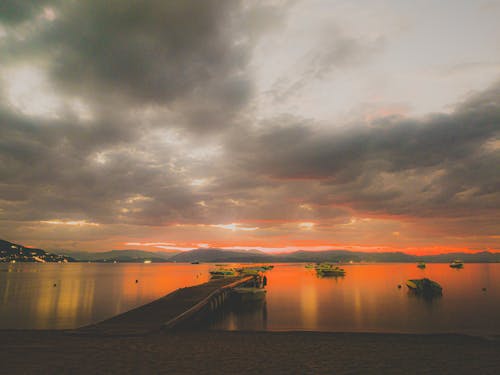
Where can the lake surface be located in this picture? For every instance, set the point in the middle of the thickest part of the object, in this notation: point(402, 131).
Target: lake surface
point(366, 299)
point(85, 293)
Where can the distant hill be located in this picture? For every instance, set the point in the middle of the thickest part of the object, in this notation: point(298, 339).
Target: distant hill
point(11, 252)
point(219, 255)
point(244, 256)
point(344, 256)
point(123, 256)
point(167, 254)
point(480, 257)
point(390, 257)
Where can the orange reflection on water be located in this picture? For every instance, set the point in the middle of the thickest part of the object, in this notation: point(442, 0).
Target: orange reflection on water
point(84, 293)
point(156, 280)
point(309, 306)
point(368, 299)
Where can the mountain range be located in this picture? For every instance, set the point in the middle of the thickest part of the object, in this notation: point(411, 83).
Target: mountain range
point(10, 251)
point(123, 256)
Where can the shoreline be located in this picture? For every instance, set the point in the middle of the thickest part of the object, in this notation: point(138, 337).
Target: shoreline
point(136, 342)
point(242, 352)
point(122, 344)
point(235, 261)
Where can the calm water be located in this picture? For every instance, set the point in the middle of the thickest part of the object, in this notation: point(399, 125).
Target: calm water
point(366, 299)
point(84, 293)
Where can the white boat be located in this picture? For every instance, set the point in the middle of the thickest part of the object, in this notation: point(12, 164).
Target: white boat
point(457, 263)
point(250, 293)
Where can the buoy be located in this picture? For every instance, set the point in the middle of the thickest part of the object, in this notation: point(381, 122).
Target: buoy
point(399, 286)
point(484, 289)
point(55, 284)
point(136, 281)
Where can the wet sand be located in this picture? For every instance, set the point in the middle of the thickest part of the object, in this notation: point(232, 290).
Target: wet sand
point(218, 352)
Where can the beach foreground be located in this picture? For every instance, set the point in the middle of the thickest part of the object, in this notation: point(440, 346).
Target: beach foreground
point(222, 352)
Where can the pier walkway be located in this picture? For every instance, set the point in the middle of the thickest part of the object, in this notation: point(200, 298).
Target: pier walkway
point(168, 312)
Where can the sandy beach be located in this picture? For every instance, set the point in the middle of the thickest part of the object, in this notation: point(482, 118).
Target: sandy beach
point(218, 352)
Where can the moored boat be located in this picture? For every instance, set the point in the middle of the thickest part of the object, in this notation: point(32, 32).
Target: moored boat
point(331, 272)
point(247, 294)
point(421, 265)
point(426, 287)
point(252, 271)
point(222, 272)
point(457, 264)
point(327, 269)
point(323, 266)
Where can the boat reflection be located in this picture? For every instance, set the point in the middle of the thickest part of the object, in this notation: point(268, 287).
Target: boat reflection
point(367, 300)
point(240, 315)
point(427, 298)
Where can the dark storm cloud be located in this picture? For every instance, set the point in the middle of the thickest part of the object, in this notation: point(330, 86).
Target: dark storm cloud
point(139, 66)
point(442, 163)
point(16, 11)
point(68, 169)
point(188, 56)
point(147, 68)
point(153, 51)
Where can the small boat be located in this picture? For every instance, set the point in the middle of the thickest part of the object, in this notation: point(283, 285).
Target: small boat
point(421, 265)
point(147, 261)
point(247, 294)
point(310, 265)
point(323, 266)
point(457, 264)
point(327, 269)
point(425, 287)
point(195, 262)
point(331, 272)
point(252, 271)
point(222, 272)
point(268, 267)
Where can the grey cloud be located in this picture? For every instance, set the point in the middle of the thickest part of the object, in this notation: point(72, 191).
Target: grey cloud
point(16, 11)
point(140, 66)
point(153, 51)
point(334, 52)
point(147, 67)
point(188, 56)
point(395, 165)
point(442, 165)
point(340, 51)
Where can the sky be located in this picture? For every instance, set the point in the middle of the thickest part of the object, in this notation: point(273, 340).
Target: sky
point(276, 125)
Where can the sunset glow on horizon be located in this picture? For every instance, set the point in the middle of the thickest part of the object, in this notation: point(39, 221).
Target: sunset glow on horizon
point(272, 125)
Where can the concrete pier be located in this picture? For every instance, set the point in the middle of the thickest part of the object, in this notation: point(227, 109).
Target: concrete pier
point(176, 309)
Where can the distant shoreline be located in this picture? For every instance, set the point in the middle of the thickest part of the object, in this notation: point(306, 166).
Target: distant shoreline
point(14, 252)
point(363, 263)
